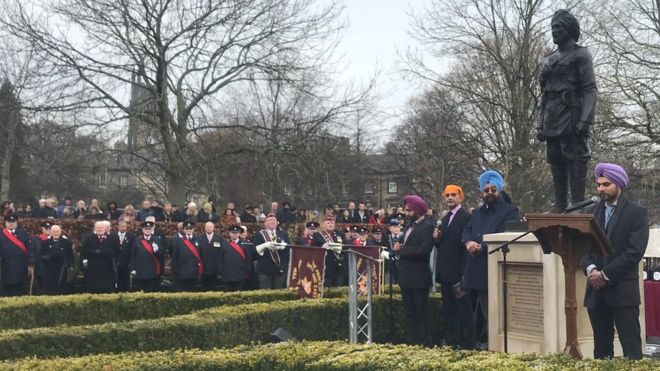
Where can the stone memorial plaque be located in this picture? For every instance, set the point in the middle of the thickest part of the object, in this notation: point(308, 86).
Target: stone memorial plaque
point(525, 299)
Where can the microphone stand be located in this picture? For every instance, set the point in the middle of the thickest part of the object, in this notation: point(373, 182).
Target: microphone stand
point(390, 328)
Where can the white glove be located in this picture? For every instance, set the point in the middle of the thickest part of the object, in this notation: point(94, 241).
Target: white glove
point(333, 246)
point(84, 263)
point(385, 255)
point(133, 273)
point(279, 245)
point(155, 247)
point(262, 248)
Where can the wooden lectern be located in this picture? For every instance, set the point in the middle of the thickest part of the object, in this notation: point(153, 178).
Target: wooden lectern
point(570, 236)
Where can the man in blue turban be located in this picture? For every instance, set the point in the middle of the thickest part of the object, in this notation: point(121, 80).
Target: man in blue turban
point(489, 218)
point(612, 294)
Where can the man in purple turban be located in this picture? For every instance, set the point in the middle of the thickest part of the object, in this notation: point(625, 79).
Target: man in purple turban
point(612, 295)
point(415, 279)
point(568, 105)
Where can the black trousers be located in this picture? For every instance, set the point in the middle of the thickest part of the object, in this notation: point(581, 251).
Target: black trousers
point(416, 308)
point(234, 286)
point(603, 319)
point(458, 319)
point(13, 289)
point(189, 284)
point(209, 282)
point(148, 285)
point(334, 281)
point(272, 281)
point(123, 279)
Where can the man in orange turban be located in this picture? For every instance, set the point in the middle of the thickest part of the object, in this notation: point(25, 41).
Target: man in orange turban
point(450, 265)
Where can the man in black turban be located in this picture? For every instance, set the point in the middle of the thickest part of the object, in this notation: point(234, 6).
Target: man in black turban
point(567, 110)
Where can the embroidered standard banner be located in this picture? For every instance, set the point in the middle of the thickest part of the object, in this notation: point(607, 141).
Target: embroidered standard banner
point(361, 261)
point(306, 271)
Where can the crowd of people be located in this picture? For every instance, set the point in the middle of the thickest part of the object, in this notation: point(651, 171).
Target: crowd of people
point(169, 212)
point(122, 260)
point(108, 260)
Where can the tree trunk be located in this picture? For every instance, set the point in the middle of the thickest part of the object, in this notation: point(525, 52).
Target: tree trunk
point(10, 144)
point(177, 190)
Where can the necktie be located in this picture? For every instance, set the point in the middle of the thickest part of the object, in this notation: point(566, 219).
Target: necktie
point(210, 237)
point(609, 210)
point(449, 217)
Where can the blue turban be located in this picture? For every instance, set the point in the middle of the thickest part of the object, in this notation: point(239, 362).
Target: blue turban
point(492, 177)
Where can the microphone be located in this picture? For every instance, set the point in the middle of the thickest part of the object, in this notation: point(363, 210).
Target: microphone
point(583, 204)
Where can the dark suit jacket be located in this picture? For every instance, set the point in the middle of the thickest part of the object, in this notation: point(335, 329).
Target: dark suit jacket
point(265, 263)
point(184, 262)
point(414, 257)
point(628, 232)
point(355, 218)
point(100, 273)
point(231, 264)
point(125, 247)
point(335, 264)
point(13, 260)
point(209, 253)
point(141, 260)
point(452, 255)
point(56, 258)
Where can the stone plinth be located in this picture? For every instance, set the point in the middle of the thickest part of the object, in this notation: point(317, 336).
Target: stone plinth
point(537, 322)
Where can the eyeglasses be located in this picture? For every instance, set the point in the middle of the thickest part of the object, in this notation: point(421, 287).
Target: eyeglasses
point(490, 190)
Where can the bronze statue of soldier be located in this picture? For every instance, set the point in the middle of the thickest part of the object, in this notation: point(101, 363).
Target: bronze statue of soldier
point(568, 104)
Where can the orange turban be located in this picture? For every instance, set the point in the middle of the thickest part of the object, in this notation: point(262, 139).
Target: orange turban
point(454, 189)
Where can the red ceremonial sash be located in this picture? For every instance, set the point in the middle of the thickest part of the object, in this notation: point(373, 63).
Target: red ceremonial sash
point(238, 249)
point(147, 246)
point(193, 250)
point(15, 240)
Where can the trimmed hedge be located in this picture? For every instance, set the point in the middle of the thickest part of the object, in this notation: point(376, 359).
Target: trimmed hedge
point(87, 309)
point(325, 356)
point(225, 326)
point(27, 312)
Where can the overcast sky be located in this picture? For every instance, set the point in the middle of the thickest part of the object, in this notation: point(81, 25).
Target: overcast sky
point(377, 30)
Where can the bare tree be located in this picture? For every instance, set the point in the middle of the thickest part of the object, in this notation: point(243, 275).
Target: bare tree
point(494, 50)
point(182, 53)
point(627, 35)
point(430, 146)
point(288, 137)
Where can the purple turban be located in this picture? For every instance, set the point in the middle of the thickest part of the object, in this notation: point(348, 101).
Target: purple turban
point(613, 172)
point(416, 204)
